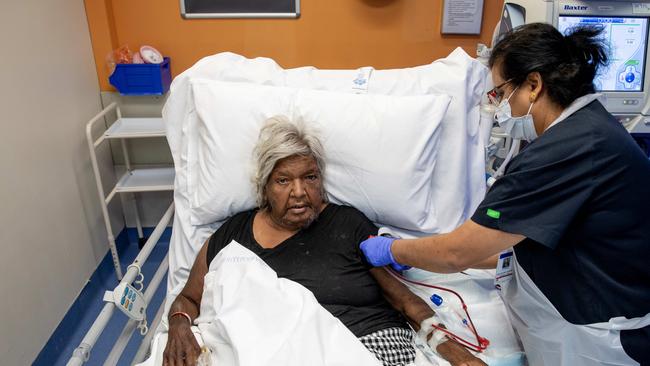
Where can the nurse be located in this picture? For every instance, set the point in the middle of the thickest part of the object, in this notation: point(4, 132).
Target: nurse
point(574, 205)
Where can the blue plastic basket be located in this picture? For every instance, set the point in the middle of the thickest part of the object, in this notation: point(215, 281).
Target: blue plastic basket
point(142, 79)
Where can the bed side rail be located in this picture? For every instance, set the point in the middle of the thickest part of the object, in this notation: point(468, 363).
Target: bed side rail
point(82, 353)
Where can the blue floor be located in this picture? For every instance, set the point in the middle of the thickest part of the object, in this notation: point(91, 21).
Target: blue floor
point(88, 305)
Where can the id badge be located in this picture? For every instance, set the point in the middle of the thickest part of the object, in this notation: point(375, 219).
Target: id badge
point(504, 268)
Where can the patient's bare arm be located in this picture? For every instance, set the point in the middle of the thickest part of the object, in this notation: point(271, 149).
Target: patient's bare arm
point(416, 310)
point(182, 348)
point(401, 298)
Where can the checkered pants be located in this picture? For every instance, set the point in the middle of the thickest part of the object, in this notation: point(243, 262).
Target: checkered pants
point(392, 346)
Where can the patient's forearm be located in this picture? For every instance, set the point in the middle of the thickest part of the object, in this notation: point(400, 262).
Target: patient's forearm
point(182, 348)
point(189, 300)
point(416, 310)
point(401, 298)
point(183, 304)
point(456, 354)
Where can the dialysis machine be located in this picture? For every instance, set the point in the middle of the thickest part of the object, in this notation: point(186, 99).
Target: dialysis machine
point(625, 83)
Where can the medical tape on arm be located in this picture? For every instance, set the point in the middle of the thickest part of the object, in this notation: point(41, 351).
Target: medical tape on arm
point(428, 326)
point(481, 342)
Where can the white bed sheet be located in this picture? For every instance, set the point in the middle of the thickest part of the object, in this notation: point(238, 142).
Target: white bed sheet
point(287, 326)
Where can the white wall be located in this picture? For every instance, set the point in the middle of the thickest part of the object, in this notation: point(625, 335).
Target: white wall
point(51, 231)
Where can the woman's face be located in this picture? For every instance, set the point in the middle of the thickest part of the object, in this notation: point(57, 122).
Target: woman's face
point(519, 100)
point(294, 192)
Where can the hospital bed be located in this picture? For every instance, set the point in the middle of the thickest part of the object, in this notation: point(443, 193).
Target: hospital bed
point(430, 115)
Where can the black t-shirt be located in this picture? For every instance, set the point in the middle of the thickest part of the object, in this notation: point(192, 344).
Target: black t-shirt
point(580, 193)
point(326, 259)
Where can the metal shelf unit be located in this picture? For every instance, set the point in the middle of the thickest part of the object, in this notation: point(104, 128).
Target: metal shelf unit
point(134, 180)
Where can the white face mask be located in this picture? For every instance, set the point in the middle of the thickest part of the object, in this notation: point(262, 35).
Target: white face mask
point(516, 127)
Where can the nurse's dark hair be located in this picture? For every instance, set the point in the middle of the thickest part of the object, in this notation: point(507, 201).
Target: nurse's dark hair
point(567, 64)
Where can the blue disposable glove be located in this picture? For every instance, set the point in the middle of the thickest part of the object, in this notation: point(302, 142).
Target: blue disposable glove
point(377, 252)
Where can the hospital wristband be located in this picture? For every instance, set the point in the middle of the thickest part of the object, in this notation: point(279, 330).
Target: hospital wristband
point(186, 315)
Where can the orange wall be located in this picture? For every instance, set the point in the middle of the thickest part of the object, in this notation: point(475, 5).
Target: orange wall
point(330, 34)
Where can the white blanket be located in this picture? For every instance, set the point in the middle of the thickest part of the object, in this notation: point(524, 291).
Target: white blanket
point(250, 317)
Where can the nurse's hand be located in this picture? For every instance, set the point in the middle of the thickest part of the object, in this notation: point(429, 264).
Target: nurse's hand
point(182, 349)
point(377, 252)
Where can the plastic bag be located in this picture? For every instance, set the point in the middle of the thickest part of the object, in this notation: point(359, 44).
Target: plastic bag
point(204, 357)
point(124, 55)
point(121, 55)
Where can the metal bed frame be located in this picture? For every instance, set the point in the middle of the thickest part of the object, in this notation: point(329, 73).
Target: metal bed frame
point(132, 181)
point(82, 353)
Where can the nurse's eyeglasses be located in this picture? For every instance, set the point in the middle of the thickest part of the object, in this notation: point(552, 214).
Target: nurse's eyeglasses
point(495, 95)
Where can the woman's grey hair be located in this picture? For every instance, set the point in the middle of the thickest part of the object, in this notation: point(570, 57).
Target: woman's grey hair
point(281, 138)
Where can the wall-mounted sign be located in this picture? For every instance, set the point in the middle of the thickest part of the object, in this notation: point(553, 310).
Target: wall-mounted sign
point(462, 16)
point(240, 8)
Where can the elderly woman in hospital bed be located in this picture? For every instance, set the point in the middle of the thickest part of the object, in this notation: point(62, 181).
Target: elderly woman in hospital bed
point(304, 238)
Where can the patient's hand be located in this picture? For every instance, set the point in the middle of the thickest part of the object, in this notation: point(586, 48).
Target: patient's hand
point(458, 355)
point(182, 348)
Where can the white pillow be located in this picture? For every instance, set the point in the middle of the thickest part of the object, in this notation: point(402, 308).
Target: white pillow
point(380, 150)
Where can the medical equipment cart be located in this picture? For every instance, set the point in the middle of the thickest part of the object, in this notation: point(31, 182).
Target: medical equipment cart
point(134, 180)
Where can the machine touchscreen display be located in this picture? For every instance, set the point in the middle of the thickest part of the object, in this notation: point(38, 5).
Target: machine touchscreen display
point(627, 38)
